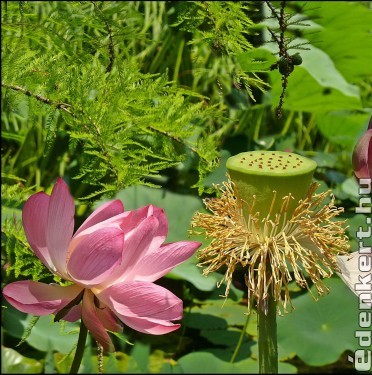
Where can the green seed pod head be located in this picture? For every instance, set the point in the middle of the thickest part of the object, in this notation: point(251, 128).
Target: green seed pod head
point(296, 59)
point(266, 177)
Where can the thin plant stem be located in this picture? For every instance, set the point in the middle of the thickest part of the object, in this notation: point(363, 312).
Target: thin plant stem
point(267, 337)
point(240, 341)
point(79, 349)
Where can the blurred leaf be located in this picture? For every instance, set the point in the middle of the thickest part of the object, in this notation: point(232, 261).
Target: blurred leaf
point(10, 212)
point(284, 142)
point(265, 142)
point(140, 353)
point(45, 335)
point(343, 128)
point(319, 332)
point(227, 309)
point(250, 366)
point(205, 363)
point(351, 188)
point(204, 321)
point(13, 321)
point(190, 272)
point(324, 159)
point(226, 353)
point(321, 67)
point(171, 368)
point(223, 337)
point(59, 336)
point(49, 365)
point(157, 360)
point(191, 364)
point(14, 363)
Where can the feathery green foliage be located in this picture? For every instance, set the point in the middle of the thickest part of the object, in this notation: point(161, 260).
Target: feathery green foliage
point(21, 262)
point(71, 63)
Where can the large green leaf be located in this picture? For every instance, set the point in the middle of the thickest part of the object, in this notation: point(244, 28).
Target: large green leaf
point(46, 335)
point(316, 85)
point(336, 56)
point(343, 128)
point(250, 366)
point(305, 93)
point(319, 332)
point(188, 270)
point(227, 309)
point(204, 321)
point(207, 363)
point(345, 35)
point(14, 363)
point(321, 67)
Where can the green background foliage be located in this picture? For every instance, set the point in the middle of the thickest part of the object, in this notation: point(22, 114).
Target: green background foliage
point(144, 102)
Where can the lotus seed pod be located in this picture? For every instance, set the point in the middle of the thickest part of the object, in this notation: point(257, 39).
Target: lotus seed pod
point(263, 178)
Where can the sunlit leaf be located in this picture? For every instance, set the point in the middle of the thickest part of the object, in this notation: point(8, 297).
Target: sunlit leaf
point(14, 363)
point(319, 332)
point(305, 93)
point(349, 22)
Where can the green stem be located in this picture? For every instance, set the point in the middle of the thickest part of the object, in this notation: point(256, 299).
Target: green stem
point(267, 339)
point(79, 349)
point(240, 341)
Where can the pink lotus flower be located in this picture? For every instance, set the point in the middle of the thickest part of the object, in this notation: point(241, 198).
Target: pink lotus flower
point(112, 261)
point(362, 155)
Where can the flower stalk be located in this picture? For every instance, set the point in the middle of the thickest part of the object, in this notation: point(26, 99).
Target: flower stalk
point(267, 337)
point(79, 349)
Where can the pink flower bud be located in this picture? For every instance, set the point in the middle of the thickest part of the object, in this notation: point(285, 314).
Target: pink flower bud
point(362, 155)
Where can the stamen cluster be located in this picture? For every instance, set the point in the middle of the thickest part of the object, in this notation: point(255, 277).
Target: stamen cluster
point(272, 250)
